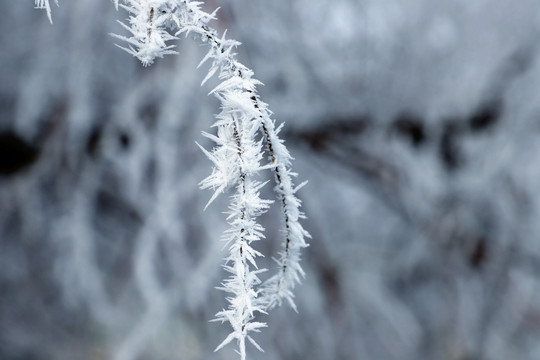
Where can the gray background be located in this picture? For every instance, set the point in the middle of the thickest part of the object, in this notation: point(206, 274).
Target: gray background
point(417, 124)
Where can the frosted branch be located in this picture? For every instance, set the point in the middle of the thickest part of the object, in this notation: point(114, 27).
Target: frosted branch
point(44, 4)
point(236, 159)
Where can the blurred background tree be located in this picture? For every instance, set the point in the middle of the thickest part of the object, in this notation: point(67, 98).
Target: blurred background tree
point(416, 124)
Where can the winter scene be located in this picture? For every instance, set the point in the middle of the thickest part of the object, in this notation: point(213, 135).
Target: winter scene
point(270, 180)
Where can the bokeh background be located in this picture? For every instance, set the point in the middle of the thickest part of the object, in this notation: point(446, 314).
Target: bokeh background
point(417, 124)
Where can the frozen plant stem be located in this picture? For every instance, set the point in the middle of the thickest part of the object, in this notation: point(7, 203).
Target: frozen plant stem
point(245, 208)
point(237, 158)
point(245, 134)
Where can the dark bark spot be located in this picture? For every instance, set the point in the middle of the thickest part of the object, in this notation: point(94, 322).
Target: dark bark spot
point(331, 283)
point(479, 253)
point(93, 142)
point(15, 153)
point(410, 127)
point(335, 130)
point(448, 150)
point(485, 117)
point(124, 140)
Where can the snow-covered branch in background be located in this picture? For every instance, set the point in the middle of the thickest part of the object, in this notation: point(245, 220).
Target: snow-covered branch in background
point(44, 4)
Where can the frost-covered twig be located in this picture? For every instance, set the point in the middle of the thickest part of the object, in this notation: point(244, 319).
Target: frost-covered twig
point(148, 26)
point(245, 131)
point(245, 208)
point(280, 286)
point(237, 160)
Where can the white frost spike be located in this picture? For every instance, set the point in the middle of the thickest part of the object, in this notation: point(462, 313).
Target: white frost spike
point(149, 25)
